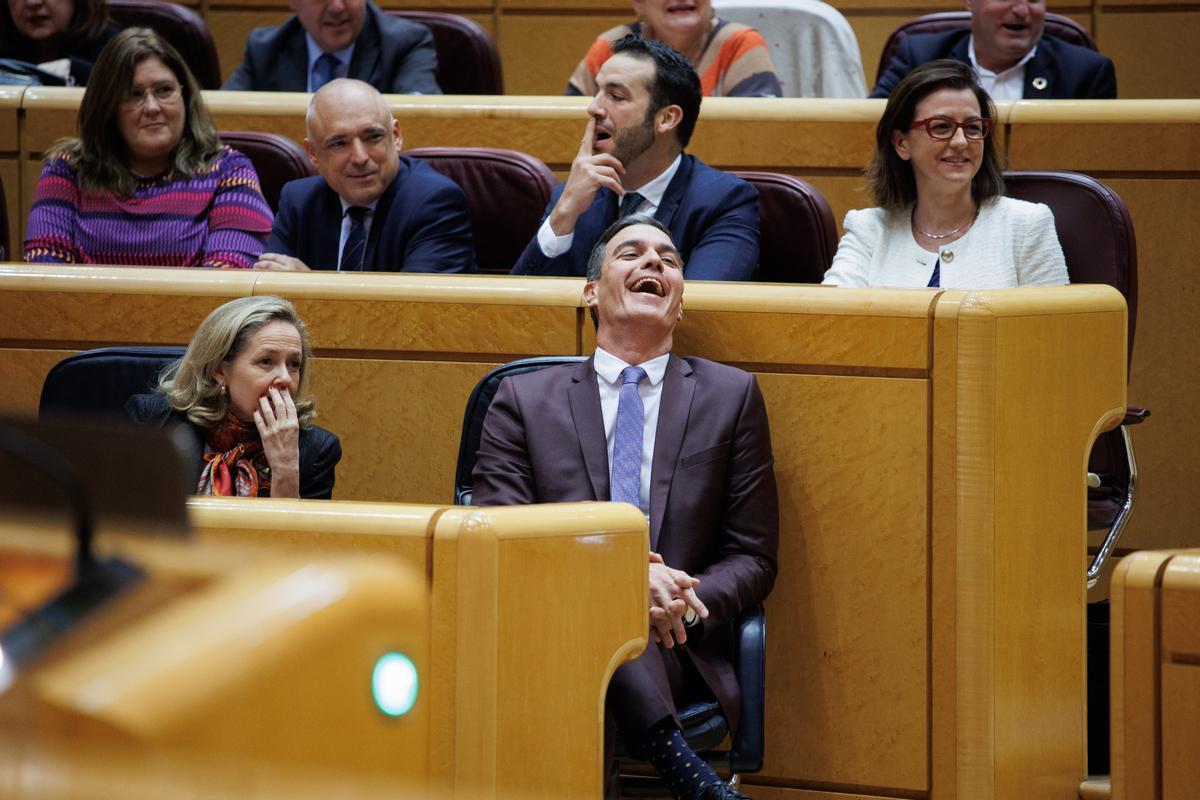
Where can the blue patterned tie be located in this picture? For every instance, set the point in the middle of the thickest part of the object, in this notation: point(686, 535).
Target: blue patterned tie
point(356, 241)
point(630, 203)
point(324, 70)
point(626, 483)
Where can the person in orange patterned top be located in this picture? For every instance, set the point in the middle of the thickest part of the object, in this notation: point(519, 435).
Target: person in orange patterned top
point(731, 59)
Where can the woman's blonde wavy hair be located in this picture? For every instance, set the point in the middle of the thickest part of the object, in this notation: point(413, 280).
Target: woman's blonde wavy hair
point(189, 385)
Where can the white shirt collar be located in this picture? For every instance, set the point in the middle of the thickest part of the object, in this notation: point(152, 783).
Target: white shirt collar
point(654, 189)
point(984, 72)
point(608, 367)
point(370, 206)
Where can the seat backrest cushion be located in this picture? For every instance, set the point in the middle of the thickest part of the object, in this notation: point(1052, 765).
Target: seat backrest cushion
point(1094, 228)
point(98, 382)
point(468, 62)
point(507, 192)
point(277, 160)
point(797, 233)
point(476, 412)
point(179, 25)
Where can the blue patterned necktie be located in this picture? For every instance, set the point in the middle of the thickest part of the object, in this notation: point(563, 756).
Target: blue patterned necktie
point(324, 70)
point(626, 483)
point(630, 203)
point(356, 241)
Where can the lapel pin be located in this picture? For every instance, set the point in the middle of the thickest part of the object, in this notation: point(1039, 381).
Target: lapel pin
point(1039, 83)
point(947, 256)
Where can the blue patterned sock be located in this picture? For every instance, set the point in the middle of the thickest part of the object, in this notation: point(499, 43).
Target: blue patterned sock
point(675, 762)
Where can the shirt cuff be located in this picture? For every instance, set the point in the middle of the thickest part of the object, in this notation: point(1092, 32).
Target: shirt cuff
point(550, 244)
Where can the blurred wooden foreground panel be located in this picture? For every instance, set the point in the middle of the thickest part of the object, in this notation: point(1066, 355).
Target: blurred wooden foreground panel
point(930, 449)
point(1156, 676)
point(245, 665)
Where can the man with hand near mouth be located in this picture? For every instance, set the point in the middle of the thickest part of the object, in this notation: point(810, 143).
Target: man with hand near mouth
point(686, 441)
point(328, 39)
point(631, 160)
point(370, 208)
point(1010, 55)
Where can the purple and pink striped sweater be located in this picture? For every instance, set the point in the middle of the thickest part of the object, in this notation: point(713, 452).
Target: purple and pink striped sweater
point(216, 218)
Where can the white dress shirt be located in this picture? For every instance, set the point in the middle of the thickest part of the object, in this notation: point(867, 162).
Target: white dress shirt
point(348, 222)
point(1006, 85)
point(608, 377)
point(314, 52)
point(652, 195)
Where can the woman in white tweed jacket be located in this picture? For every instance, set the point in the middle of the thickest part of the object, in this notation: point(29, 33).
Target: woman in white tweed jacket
point(942, 218)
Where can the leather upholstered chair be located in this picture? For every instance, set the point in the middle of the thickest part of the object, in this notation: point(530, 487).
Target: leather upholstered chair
point(1056, 25)
point(98, 382)
point(6, 251)
point(507, 192)
point(277, 160)
point(468, 62)
point(179, 25)
point(797, 234)
point(1097, 237)
point(704, 726)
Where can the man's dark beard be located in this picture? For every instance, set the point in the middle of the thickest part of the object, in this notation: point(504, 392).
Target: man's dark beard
point(630, 143)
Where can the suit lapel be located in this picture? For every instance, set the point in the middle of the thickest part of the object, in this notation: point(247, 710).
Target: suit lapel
point(365, 61)
point(584, 397)
point(379, 221)
point(675, 191)
point(292, 61)
point(329, 231)
point(673, 408)
point(1041, 76)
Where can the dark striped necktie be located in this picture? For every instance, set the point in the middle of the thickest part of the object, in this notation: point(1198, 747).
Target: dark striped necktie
point(356, 241)
point(630, 203)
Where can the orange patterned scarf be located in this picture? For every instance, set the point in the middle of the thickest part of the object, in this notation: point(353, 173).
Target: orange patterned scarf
point(234, 461)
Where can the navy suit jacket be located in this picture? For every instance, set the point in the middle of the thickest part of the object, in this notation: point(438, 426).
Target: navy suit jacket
point(1069, 72)
point(393, 55)
point(714, 510)
point(712, 217)
point(421, 224)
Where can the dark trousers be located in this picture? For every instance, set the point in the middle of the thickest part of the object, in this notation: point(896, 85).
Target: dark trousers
point(648, 690)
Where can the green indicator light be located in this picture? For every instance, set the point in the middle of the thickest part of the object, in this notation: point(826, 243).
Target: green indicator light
point(394, 684)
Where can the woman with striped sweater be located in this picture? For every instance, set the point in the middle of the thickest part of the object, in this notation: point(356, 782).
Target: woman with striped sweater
point(147, 181)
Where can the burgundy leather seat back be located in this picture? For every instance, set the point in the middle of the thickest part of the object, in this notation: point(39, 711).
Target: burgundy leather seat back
point(1057, 25)
point(797, 233)
point(277, 160)
point(1094, 228)
point(507, 192)
point(179, 25)
point(468, 62)
point(6, 253)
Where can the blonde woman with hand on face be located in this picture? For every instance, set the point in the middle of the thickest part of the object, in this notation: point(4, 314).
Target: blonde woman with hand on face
point(240, 392)
point(942, 217)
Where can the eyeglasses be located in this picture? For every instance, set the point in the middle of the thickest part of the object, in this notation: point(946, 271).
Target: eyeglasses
point(165, 93)
point(943, 128)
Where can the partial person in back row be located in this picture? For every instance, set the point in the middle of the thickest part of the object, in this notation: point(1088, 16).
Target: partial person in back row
point(631, 160)
point(328, 39)
point(942, 218)
point(370, 208)
point(732, 59)
point(1011, 57)
point(146, 182)
point(41, 32)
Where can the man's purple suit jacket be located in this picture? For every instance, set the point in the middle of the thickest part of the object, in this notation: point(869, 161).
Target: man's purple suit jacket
point(714, 511)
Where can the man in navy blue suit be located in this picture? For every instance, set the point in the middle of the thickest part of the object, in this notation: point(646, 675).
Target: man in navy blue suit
point(328, 39)
point(371, 208)
point(631, 160)
point(1010, 55)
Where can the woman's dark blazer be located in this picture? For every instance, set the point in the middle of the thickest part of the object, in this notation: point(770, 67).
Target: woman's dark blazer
point(320, 450)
